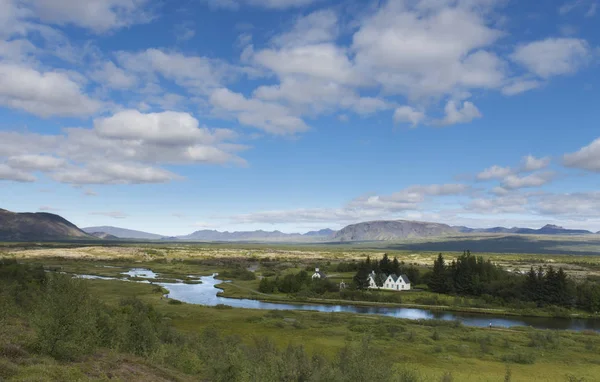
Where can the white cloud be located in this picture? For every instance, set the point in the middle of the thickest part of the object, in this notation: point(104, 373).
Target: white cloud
point(457, 114)
point(111, 214)
point(408, 114)
point(531, 163)
point(36, 162)
point(113, 77)
point(166, 128)
point(97, 15)
point(315, 28)
point(113, 173)
point(89, 192)
point(423, 48)
point(270, 117)
point(333, 63)
point(587, 158)
point(499, 205)
point(43, 93)
point(494, 172)
point(195, 73)
point(270, 4)
point(575, 205)
point(9, 173)
point(520, 86)
point(513, 182)
point(48, 208)
point(553, 56)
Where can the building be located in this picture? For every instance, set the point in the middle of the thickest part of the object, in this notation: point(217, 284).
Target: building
point(318, 274)
point(390, 282)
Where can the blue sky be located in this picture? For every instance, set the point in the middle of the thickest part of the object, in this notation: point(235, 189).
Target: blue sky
point(296, 115)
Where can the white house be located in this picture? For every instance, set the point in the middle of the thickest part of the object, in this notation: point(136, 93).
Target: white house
point(318, 274)
point(391, 282)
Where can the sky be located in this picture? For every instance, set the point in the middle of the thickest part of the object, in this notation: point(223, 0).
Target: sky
point(295, 115)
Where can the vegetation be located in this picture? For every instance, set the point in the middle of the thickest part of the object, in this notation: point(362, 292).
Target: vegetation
point(187, 342)
point(473, 276)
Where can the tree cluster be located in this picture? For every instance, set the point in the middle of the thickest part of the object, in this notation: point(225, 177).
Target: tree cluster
point(296, 283)
point(469, 275)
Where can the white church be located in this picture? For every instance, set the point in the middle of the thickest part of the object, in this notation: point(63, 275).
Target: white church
point(392, 282)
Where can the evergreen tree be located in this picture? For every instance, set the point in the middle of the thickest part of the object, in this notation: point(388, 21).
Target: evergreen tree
point(395, 268)
point(361, 279)
point(385, 264)
point(437, 281)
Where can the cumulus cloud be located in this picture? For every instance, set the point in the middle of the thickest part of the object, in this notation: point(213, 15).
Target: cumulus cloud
point(553, 56)
point(499, 205)
point(127, 147)
point(270, 117)
point(457, 114)
point(44, 94)
point(494, 172)
point(513, 182)
point(531, 163)
point(9, 173)
point(97, 15)
point(575, 205)
point(195, 73)
point(36, 162)
point(408, 114)
point(110, 75)
point(520, 86)
point(587, 158)
point(113, 173)
point(270, 4)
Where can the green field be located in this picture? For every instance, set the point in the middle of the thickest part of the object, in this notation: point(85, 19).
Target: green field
point(413, 350)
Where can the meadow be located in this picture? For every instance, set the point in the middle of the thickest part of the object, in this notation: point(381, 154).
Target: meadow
point(404, 350)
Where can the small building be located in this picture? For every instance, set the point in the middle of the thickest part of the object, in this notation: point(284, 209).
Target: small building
point(342, 285)
point(318, 274)
point(390, 282)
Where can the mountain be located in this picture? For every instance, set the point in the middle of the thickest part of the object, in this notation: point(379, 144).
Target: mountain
point(37, 226)
point(212, 235)
point(123, 233)
point(323, 232)
point(104, 235)
point(392, 230)
point(550, 229)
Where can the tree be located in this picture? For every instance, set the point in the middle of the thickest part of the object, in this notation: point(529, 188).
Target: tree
point(437, 281)
point(361, 279)
point(396, 266)
point(385, 264)
point(266, 286)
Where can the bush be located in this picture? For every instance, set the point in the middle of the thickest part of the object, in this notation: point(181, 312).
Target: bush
point(222, 306)
point(173, 301)
point(66, 319)
point(520, 357)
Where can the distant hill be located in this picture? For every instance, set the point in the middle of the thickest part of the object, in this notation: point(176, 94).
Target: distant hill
point(104, 235)
point(392, 230)
point(260, 235)
point(323, 233)
point(551, 229)
point(37, 226)
point(123, 233)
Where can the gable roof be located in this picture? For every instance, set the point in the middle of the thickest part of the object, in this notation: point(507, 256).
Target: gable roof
point(405, 279)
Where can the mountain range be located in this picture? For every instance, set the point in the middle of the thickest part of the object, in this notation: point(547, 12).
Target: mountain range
point(46, 226)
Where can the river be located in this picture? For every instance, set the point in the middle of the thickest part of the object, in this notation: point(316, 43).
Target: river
point(206, 294)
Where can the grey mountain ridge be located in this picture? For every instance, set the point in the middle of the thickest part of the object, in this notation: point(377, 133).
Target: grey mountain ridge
point(46, 226)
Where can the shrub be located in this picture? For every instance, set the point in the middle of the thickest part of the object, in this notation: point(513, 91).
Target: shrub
point(520, 357)
point(173, 301)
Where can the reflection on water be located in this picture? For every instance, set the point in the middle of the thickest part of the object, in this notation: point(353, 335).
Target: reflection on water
point(140, 272)
point(206, 294)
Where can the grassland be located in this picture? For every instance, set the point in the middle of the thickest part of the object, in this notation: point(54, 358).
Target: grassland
point(431, 349)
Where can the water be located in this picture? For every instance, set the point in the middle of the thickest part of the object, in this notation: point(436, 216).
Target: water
point(206, 294)
point(140, 272)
